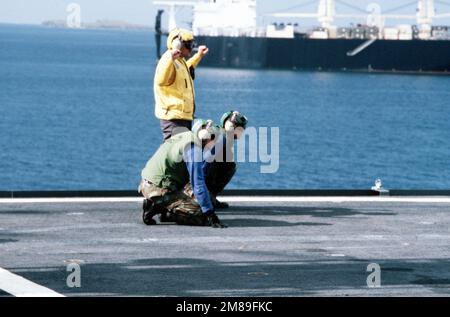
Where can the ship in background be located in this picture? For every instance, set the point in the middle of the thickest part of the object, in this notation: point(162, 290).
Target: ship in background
point(229, 28)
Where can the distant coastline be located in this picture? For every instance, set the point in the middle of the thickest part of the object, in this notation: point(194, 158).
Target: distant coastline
point(99, 24)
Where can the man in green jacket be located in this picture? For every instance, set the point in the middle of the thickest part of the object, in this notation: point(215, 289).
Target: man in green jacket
point(177, 162)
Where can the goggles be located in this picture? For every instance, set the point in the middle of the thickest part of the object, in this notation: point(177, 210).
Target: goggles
point(238, 120)
point(189, 45)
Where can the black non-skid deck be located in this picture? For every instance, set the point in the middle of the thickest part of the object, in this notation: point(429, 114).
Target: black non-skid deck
point(273, 248)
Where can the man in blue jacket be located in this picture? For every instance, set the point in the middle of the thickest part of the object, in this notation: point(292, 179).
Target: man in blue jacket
point(219, 166)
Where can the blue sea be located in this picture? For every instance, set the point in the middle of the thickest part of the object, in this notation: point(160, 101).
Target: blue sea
point(77, 113)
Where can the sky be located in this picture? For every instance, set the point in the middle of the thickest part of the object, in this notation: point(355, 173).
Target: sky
point(143, 11)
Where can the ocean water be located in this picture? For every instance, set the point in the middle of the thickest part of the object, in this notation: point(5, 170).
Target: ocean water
point(77, 113)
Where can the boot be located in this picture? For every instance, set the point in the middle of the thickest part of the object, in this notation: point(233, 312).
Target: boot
point(148, 213)
point(213, 221)
point(218, 204)
point(167, 216)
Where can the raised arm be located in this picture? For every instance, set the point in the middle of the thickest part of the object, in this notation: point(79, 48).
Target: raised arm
point(195, 60)
point(165, 71)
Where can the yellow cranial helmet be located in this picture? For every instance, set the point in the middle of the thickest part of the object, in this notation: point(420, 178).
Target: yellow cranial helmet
point(182, 34)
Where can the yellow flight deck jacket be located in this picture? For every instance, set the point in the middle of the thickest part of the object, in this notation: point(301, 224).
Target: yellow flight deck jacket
point(174, 87)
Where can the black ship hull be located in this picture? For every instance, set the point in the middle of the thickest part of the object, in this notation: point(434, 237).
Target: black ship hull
point(432, 56)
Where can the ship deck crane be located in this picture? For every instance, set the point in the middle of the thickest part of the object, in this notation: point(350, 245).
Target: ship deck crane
point(326, 14)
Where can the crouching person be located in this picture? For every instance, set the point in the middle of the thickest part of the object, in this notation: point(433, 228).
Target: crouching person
point(219, 166)
point(176, 163)
point(221, 170)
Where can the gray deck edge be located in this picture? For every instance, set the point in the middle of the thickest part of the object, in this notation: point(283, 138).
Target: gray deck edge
point(231, 192)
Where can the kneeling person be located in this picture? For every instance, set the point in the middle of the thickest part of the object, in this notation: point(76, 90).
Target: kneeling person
point(220, 171)
point(176, 163)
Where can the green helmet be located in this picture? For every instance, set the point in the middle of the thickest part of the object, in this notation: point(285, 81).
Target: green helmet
point(238, 119)
point(212, 130)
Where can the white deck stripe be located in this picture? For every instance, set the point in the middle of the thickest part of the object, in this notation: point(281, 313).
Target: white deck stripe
point(338, 199)
point(21, 287)
point(237, 199)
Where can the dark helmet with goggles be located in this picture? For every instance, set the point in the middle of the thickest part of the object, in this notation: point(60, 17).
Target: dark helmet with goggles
point(236, 118)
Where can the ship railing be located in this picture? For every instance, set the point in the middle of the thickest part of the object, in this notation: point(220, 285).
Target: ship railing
point(230, 32)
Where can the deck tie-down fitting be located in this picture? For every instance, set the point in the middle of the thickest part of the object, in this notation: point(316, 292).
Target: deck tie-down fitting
point(378, 187)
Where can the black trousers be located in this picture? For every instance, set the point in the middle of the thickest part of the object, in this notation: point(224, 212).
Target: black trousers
point(219, 175)
point(173, 127)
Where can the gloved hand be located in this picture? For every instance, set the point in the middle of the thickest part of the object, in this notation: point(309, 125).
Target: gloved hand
point(203, 50)
point(214, 222)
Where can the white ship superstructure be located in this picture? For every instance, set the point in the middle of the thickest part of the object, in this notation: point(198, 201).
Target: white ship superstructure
point(237, 18)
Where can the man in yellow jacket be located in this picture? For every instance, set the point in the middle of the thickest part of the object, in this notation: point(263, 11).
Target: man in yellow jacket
point(174, 83)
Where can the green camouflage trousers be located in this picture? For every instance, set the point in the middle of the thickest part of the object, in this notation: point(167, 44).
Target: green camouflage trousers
point(173, 205)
